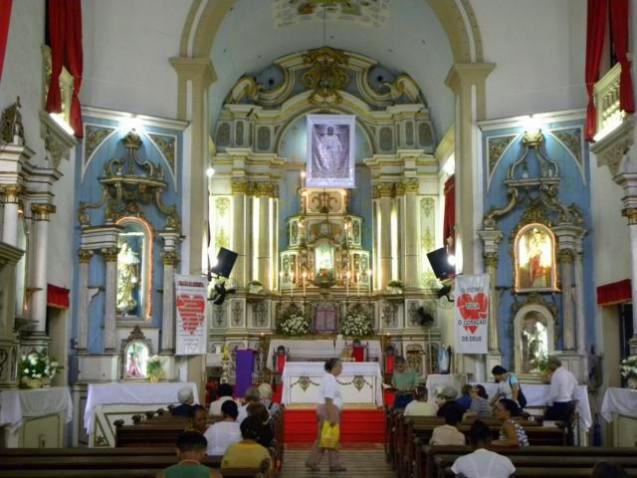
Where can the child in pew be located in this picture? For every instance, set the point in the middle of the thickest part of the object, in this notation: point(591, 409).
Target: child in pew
point(448, 434)
point(511, 433)
point(482, 463)
point(191, 449)
point(247, 453)
point(224, 433)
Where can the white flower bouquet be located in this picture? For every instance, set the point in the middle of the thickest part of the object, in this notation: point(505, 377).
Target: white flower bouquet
point(37, 369)
point(357, 325)
point(294, 325)
point(628, 367)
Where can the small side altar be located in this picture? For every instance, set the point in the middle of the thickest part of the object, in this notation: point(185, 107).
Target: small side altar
point(360, 382)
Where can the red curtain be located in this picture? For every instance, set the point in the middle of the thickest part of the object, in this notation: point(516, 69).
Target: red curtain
point(615, 293)
point(57, 297)
point(5, 17)
point(595, 28)
point(619, 23)
point(449, 219)
point(65, 40)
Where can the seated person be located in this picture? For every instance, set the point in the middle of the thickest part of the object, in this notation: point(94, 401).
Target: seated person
point(225, 394)
point(265, 396)
point(186, 399)
point(224, 433)
point(464, 400)
point(603, 469)
point(404, 380)
point(482, 462)
point(247, 453)
point(199, 421)
point(480, 406)
point(447, 394)
point(511, 434)
point(448, 434)
point(421, 407)
point(266, 435)
point(191, 449)
point(252, 395)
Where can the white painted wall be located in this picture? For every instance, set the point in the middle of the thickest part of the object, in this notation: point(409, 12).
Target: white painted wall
point(22, 67)
point(127, 47)
point(538, 47)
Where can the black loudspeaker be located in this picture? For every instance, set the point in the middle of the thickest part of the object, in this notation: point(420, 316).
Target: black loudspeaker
point(439, 260)
point(225, 262)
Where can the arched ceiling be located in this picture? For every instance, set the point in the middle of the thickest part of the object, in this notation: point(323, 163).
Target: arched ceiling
point(410, 39)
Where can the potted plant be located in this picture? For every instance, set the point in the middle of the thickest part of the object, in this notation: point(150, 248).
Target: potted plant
point(37, 370)
point(628, 369)
point(154, 369)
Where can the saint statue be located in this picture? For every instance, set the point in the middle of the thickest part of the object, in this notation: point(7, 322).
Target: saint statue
point(127, 278)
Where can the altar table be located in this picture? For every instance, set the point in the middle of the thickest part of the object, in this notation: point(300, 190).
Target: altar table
point(319, 349)
point(360, 382)
point(619, 408)
point(107, 402)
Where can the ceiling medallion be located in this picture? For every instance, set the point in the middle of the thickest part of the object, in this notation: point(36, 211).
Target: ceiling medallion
point(371, 13)
point(326, 76)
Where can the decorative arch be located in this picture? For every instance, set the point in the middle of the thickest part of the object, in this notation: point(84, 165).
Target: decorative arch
point(535, 343)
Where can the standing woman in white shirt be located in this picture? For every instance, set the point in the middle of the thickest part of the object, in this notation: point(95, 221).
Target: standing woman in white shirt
point(329, 409)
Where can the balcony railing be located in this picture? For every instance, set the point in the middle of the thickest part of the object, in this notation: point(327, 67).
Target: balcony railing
point(609, 114)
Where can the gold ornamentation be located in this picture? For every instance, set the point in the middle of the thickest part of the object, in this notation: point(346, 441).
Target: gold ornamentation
point(110, 254)
point(631, 214)
point(85, 255)
point(42, 211)
point(221, 239)
point(566, 256)
point(326, 75)
point(305, 382)
point(170, 258)
point(411, 185)
point(383, 190)
point(11, 128)
point(239, 186)
point(491, 259)
point(166, 145)
point(496, 147)
point(94, 136)
point(264, 189)
point(222, 205)
point(535, 298)
point(572, 139)
point(11, 193)
point(400, 189)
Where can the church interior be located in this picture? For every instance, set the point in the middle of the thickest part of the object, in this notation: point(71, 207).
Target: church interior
point(196, 194)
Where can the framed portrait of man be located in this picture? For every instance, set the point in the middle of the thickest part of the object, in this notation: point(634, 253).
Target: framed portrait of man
point(330, 151)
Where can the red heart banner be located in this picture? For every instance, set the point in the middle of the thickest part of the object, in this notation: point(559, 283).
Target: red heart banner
point(473, 308)
point(191, 311)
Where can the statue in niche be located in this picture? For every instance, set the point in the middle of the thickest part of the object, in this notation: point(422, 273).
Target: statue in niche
point(535, 258)
point(136, 359)
point(128, 282)
point(535, 342)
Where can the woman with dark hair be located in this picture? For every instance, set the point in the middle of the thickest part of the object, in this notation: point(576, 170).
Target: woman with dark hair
point(479, 403)
point(405, 381)
point(511, 434)
point(329, 410)
point(508, 385)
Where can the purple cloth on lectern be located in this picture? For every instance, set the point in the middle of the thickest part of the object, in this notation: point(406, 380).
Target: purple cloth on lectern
point(245, 367)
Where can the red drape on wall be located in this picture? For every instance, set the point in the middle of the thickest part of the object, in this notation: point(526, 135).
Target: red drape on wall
point(449, 219)
point(65, 40)
point(57, 297)
point(619, 23)
point(597, 15)
point(615, 293)
point(5, 17)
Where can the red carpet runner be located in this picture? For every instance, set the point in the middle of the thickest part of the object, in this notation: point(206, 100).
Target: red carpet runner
point(358, 426)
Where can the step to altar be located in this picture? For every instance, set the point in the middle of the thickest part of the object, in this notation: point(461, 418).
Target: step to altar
point(357, 426)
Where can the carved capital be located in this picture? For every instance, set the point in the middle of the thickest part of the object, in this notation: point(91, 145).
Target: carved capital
point(42, 211)
point(411, 185)
point(631, 214)
point(170, 258)
point(110, 254)
point(383, 190)
point(491, 259)
point(57, 142)
point(399, 189)
point(264, 189)
point(85, 255)
point(11, 193)
point(239, 186)
point(566, 256)
point(612, 148)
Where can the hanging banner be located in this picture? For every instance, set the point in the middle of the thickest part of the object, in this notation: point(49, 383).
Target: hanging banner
point(191, 294)
point(472, 314)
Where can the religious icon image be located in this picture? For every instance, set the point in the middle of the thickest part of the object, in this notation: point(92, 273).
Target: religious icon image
point(136, 359)
point(535, 259)
point(330, 151)
point(127, 279)
point(535, 342)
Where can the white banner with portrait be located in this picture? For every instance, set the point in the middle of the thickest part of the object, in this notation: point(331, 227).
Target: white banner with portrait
point(191, 294)
point(472, 313)
point(330, 151)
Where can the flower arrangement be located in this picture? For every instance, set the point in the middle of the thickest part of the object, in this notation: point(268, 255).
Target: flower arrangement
point(154, 369)
point(37, 369)
point(294, 324)
point(357, 324)
point(628, 369)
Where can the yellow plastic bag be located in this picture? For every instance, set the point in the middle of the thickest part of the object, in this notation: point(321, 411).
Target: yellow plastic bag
point(330, 435)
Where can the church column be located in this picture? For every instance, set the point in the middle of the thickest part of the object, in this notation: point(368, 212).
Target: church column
point(37, 313)
point(10, 197)
point(410, 231)
point(568, 313)
point(239, 188)
point(264, 193)
point(580, 308)
point(384, 193)
point(631, 214)
point(170, 259)
point(467, 80)
point(110, 290)
point(491, 239)
point(85, 256)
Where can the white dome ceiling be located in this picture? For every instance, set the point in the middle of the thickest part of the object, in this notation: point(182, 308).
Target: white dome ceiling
point(409, 40)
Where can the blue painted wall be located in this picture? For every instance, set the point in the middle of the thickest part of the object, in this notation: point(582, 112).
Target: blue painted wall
point(574, 189)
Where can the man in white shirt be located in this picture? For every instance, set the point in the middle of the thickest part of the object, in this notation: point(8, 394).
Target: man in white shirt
point(482, 462)
point(561, 392)
point(225, 394)
point(421, 407)
point(224, 433)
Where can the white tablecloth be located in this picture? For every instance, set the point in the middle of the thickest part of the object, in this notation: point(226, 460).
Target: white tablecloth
point(320, 349)
point(620, 401)
point(537, 395)
point(116, 393)
point(315, 371)
point(16, 405)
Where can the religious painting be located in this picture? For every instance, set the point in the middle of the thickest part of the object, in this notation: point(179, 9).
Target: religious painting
point(326, 319)
point(136, 351)
point(330, 151)
point(134, 269)
point(535, 265)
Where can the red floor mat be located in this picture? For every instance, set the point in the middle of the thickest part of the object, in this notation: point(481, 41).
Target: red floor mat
point(358, 426)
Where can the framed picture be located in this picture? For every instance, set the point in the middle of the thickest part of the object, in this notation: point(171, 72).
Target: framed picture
point(330, 151)
point(535, 264)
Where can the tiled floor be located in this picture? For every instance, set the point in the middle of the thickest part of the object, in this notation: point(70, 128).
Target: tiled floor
point(361, 462)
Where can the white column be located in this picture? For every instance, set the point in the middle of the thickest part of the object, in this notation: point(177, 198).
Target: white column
point(110, 262)
point(239, 233)
point(11, 195)
point(633, 247)
point(491, 240)
point(384, 193)
point(82, 312)
point(568, 313)
point(410, 232)
point(263, 253)
point(37, 308)
point(170, 259)
point(580, 308)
